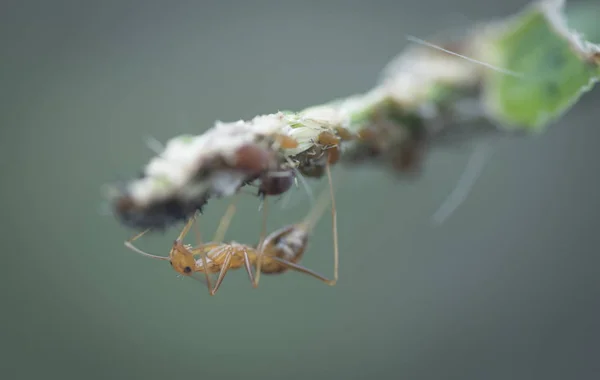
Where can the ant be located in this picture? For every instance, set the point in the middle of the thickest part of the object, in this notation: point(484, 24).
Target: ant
point(279, 252)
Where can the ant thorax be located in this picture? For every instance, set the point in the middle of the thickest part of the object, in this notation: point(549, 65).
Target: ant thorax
point(200, 264)
point(215, 253)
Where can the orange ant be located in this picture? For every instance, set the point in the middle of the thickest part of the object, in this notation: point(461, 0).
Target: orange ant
point(279, 252)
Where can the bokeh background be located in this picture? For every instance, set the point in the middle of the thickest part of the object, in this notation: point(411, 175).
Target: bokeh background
point(508, 288)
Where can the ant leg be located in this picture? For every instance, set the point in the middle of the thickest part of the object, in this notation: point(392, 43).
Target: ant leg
point(315, 214)
point(206, 274)
point(219, 236)
point(263, 229)
point(205, 267)
point(224, 269)
point(248, 265)
point(217, 251)
point(198, 234)
point(300, 268)
point(186, 229)
point(224, 223)
point(259, 256)
point(336, 255)
point(203, 257)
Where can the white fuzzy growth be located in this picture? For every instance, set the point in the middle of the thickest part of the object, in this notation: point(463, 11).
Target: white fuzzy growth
point(172, 172)
point(408, 81)
point(357, 104)
point(410, 77)
point(554, 12)
point(326, 114)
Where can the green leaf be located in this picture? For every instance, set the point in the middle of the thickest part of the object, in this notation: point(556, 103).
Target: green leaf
point(555, 66)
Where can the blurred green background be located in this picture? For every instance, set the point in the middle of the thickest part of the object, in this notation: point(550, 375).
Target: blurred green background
point(508, 288)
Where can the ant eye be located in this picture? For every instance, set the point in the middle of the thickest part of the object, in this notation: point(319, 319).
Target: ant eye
point(170, 262)
point(187, 269)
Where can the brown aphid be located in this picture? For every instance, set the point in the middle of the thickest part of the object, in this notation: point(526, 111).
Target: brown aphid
point(367, 134)
point(285, 142)
point(328, 139)
point(371, 145)
point(331, 143)
point(333, 155)
point(344, 134)
point(279, 252)
point(276, 183)
point(408, 157)
point(311, 169)
point(124, 204)
point(253, 158)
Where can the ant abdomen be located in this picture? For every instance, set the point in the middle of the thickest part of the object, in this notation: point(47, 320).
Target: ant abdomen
point(291, 244)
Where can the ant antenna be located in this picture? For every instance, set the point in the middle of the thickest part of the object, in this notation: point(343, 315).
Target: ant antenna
point(496, 68)
point(129, 244)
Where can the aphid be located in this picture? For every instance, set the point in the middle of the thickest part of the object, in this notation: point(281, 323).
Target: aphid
point(325, 151)
point(330, 142)
point(276, 183)
point(285, 142)
point(262, 165)
point(344, 134)
point(253, 159)
point(408, 156)
point(279, 252)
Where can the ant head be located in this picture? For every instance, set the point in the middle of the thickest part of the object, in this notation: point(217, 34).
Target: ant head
point(181, 259)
